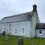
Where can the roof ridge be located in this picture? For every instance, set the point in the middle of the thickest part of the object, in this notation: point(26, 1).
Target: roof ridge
point(17, 15)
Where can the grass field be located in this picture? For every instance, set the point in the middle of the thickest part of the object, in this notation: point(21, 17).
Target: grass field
point(12, 40)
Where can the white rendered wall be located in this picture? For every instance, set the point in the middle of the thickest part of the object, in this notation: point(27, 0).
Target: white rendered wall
point(42, 35)
point(18, 25)
point(33, 24)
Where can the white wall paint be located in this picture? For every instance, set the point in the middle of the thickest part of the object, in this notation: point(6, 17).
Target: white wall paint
point(40, 35)
point(33, 24)
point(18, 25)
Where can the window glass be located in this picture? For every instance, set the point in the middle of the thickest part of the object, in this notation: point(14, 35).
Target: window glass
point(22, 30)
point(40, 31)
point(4, 26)
point(15, 31)
point(9, 26)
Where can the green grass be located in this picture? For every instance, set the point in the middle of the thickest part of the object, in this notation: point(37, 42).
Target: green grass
point(35, 41)
point(12, 40)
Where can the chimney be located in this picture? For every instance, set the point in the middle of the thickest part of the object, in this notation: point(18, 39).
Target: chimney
point(34, 7)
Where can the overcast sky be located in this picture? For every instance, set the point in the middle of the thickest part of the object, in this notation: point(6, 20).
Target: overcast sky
point(12, 7)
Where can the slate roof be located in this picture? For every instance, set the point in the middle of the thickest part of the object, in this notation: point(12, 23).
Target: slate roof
point(16, 18)
point(40, 26)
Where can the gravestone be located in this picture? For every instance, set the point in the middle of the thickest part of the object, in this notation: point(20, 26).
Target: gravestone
point(33, 43)
point(20, 41)
point(3, 34)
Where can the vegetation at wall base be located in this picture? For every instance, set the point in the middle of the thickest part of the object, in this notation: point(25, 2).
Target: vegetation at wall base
point(12, 40)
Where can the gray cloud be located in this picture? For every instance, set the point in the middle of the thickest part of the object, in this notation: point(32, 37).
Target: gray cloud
point(12, 7)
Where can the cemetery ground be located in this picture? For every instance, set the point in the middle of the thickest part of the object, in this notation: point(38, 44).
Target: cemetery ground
point(12, 40)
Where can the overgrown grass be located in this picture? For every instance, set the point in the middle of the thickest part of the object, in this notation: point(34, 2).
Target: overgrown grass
point(12, 40)
point(35, 41)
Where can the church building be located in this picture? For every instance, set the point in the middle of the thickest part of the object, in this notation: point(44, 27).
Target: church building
point(25, 24)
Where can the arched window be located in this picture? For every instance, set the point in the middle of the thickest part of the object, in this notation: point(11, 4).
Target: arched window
point(40, 31)
point(15, 31)
point(9, 26)
point(4, 26)
point(22, 30)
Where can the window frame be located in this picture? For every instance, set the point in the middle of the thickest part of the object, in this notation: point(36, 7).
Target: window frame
point(15, 31)
point(40, 31)
point(22, 30)
point(4, 26)
point(9, 26)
